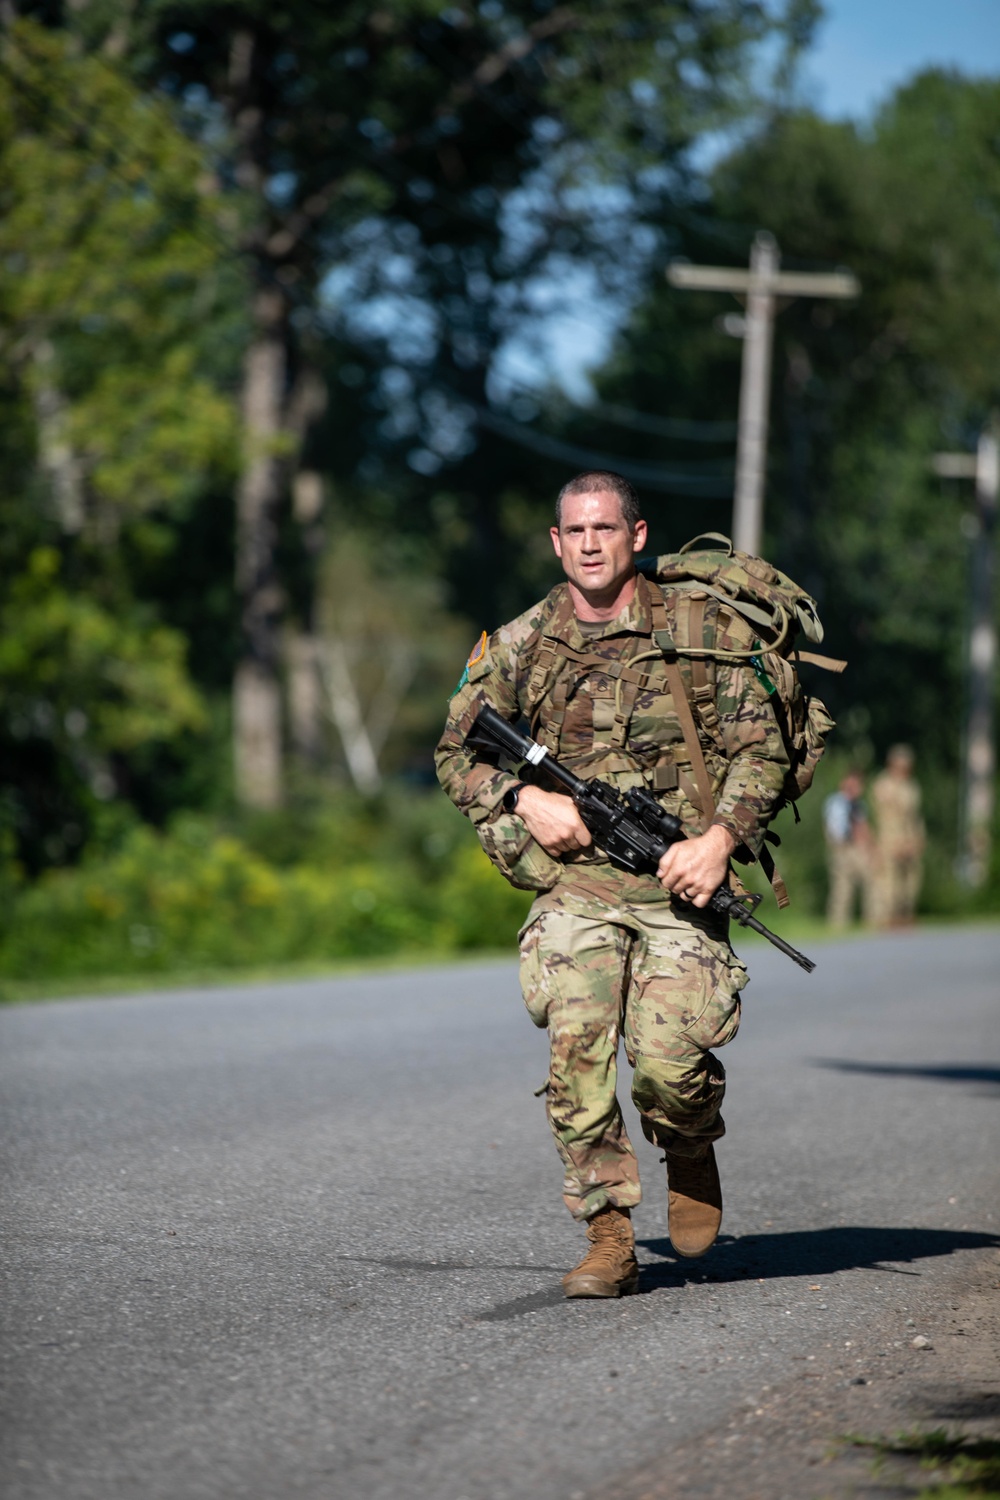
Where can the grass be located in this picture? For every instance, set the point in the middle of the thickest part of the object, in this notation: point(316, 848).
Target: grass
point(958, 1467)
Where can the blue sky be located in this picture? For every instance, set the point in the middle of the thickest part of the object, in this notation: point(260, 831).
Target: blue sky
point(866, 47)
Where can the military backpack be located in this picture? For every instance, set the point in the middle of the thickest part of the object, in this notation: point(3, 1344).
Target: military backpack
point(779, 611)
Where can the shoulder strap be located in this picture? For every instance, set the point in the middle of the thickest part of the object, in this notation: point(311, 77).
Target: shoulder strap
point(682, 706)
point(702, 681)
point(766, 861)
point(691, 742)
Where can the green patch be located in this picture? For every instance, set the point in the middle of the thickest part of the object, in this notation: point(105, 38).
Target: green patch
point(476, 655)
point(762, 676)
point(955, 1466)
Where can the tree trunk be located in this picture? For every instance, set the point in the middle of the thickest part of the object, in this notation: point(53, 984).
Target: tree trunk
point(305, 698)
point(348, 717)
point(400, 669)
point(56, 458)
point(257, 737)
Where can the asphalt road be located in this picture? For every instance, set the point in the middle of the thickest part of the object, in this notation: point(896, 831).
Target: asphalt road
point(306, 1239)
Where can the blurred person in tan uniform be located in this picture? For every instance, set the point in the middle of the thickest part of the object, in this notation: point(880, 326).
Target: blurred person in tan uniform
point(899, 839)
point(849, 852)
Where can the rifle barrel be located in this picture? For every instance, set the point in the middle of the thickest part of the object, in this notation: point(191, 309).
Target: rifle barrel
point(779, 942)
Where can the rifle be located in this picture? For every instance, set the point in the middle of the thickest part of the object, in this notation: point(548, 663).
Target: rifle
point(633, 830)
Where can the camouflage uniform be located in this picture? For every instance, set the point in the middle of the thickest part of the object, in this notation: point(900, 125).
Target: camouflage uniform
point(605, 953)
point(899, 847)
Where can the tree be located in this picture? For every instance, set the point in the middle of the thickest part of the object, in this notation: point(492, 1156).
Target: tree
point(390, 143)
point(385, 653)
point(111, 426)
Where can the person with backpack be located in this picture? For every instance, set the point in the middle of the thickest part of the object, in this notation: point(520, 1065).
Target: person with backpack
point(669, 686)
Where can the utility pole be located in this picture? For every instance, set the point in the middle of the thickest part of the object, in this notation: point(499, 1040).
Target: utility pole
point(979, 768)
point(760, 286)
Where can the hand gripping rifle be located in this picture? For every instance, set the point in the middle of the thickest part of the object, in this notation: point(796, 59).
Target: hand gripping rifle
point(633, 830)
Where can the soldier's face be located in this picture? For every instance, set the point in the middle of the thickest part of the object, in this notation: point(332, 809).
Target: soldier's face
point(595, 544)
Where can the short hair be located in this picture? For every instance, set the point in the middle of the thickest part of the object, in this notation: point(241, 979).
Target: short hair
point(902, 753)
point(592, 482)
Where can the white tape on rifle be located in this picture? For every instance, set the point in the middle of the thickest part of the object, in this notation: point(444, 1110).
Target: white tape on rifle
point(536, 754)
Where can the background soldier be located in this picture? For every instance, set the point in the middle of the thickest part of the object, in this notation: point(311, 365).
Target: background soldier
point(899, 839)
point(849, 852)
point(605, 953)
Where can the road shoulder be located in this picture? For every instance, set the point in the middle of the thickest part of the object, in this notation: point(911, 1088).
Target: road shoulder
point(789, 1442)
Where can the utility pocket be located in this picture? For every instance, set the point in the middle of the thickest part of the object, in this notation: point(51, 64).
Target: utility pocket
point(811, 743)
point(515, 853)
point(532, 987)
point(719, 1022)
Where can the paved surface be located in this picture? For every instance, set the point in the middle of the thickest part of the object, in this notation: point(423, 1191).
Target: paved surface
point(306, 1240)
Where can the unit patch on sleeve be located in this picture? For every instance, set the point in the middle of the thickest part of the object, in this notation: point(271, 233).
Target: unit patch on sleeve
point(476, 655)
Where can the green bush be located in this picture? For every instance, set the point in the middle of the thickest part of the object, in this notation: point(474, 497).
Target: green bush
point(200, 897)
point(330, 880)
point(476, 906)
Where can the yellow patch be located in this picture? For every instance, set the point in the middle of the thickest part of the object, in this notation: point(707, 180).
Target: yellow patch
point(478, 652)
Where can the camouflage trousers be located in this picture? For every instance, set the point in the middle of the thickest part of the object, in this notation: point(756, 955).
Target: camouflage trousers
point(593, 971)
point(898, 878)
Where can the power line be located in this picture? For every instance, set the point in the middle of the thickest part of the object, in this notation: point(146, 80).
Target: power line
point(689, 429)
point(680, 480)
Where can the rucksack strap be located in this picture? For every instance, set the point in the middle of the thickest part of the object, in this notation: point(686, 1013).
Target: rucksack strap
point(702, 682)
point(703, 801)
point(708, 536)
point(828, 663)
point(542, 672)
point(766, 861)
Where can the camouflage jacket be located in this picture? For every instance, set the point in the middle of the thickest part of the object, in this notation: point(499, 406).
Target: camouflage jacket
point(545, 666)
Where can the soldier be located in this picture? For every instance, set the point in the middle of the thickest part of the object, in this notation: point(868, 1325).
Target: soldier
point(605, 953)
point(899, 839)
point(848, 851)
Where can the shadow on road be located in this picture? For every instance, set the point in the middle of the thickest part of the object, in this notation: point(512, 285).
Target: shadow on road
point(977, 1406)
point(809, 1252)
point(812, 1252)
point(988, 1074)
point(755, 1257)
point(404, 1263)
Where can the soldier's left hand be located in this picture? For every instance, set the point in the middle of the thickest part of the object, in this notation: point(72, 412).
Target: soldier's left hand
point(693, 869)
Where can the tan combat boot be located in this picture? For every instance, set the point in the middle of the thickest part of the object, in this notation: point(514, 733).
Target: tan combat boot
point(609, 1268)
point(694, 1211)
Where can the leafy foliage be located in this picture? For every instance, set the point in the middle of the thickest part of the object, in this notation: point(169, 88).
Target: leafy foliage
point(111, 263)
point(411, 880)
point(59, 649)
point(114, 431)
